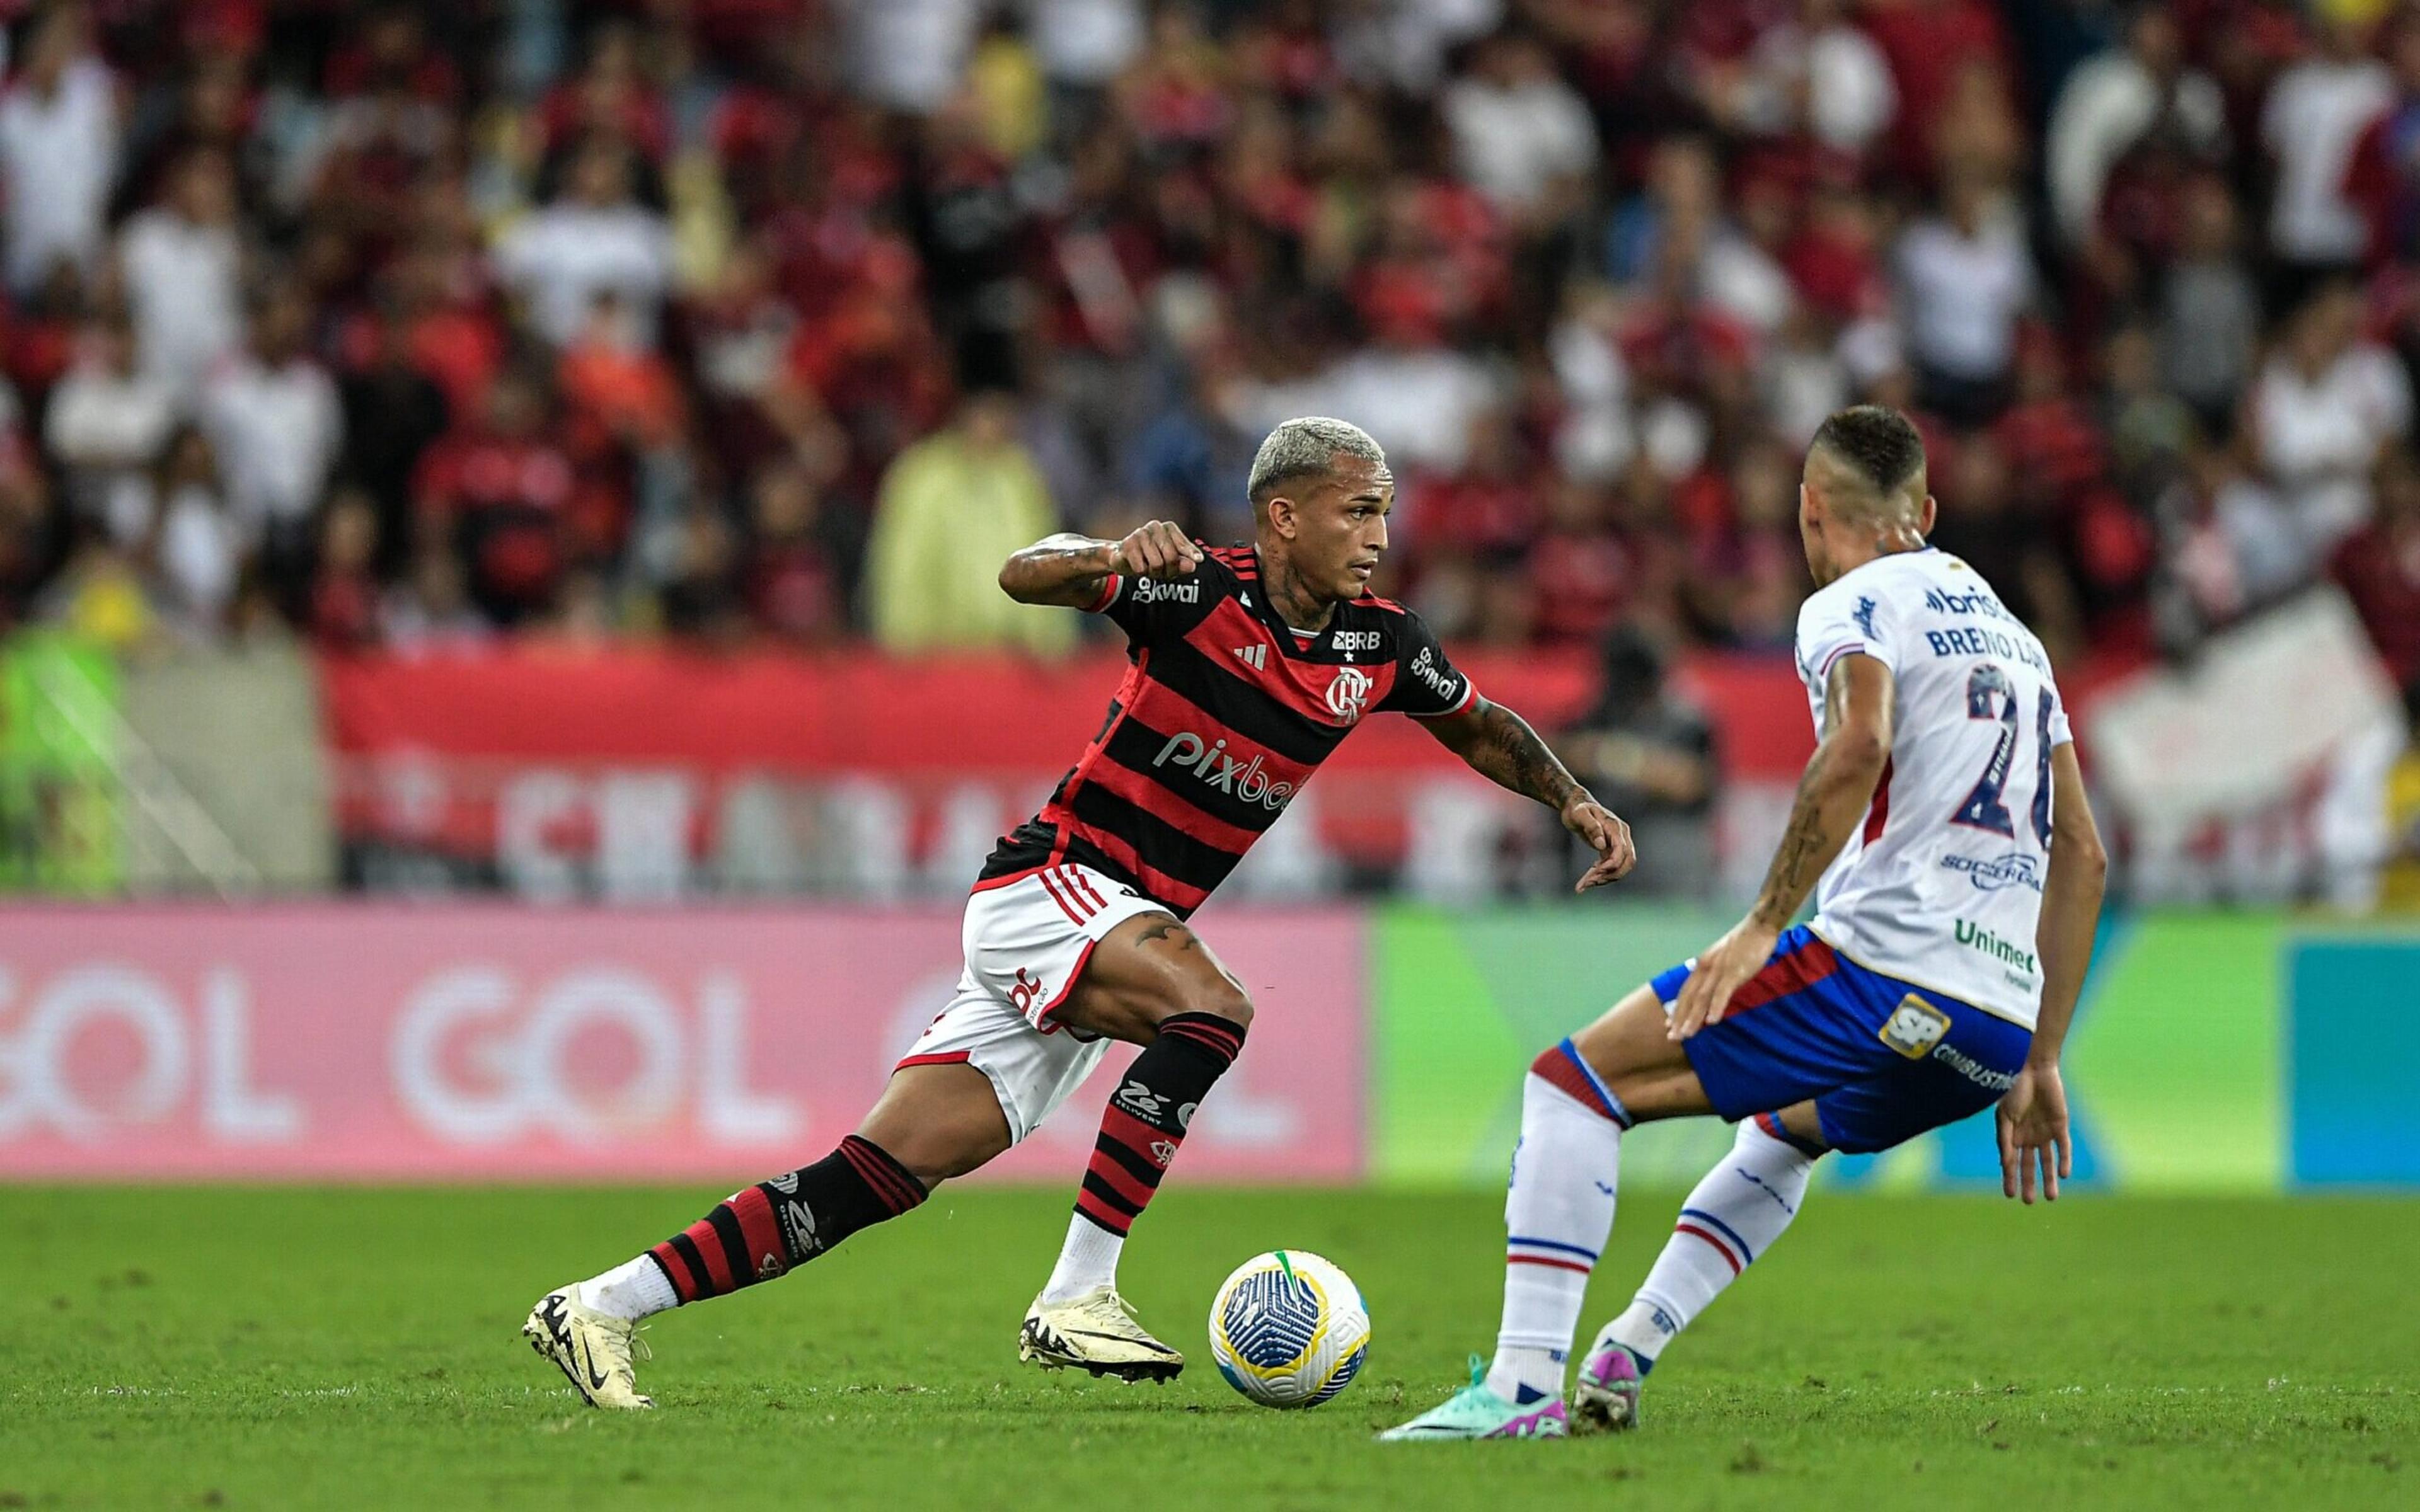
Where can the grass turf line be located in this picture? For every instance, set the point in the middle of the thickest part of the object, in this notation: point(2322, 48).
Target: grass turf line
point(357, 1349)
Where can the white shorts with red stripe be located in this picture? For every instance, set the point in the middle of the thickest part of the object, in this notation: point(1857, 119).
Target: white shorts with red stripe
point(1027, 939)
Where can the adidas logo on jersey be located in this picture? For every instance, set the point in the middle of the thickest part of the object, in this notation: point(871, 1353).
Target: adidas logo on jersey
point(1256, 657)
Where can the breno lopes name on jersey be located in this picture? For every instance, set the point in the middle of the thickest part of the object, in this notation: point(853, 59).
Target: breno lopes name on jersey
point(1944, 884)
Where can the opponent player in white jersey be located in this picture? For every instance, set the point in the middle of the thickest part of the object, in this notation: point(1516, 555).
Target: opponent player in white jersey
point(1960, 879)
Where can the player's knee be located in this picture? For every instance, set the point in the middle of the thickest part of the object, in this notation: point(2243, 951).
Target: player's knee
point(1604, 1061)
point(1798, 1124)
point(1224, 998)
point(934, 1155)
point(938, 1121)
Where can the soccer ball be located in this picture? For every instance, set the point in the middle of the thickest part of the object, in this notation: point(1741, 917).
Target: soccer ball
point(1289, 1330)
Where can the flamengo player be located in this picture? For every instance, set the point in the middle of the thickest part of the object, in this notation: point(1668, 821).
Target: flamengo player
point(1250, 667)
point(1961, 881)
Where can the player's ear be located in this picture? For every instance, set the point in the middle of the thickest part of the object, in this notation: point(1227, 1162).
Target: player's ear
point(1931, 512)
point(1283, 516)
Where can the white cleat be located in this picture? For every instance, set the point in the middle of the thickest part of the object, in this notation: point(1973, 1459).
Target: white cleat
point(1095, 1331)
point(593, 1350)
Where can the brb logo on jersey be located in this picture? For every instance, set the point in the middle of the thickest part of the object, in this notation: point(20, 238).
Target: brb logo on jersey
point(1349, 694)
point(1210, 762)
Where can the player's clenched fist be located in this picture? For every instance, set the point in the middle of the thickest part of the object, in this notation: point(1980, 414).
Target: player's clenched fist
point(1159, 549)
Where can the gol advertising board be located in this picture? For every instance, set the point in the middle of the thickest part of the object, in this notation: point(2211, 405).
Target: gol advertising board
point(496, 1043)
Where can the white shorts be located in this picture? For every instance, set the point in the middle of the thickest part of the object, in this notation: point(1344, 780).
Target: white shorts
point(1027, 938)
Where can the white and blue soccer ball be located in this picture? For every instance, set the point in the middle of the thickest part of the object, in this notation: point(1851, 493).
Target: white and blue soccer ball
point(1289, 1329)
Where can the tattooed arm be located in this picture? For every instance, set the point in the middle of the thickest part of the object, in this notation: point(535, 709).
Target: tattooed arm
point(1499, 746)
point(1838, 785)
point(1073, 570)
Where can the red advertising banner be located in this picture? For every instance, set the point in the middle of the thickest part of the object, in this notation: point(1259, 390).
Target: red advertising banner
point(496, 1043)
point(659, 773)
point(861, 710)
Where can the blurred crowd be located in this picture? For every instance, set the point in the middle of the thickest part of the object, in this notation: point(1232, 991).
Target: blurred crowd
point(784, 320)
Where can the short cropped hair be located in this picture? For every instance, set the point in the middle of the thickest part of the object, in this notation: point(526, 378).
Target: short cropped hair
point(1878, 441)
point(1307, 447)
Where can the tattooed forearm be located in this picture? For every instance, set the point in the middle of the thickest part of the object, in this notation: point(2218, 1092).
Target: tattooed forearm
point(1838, 785)
point(1805, 851)
point(1499, 746)
point(1059, 569)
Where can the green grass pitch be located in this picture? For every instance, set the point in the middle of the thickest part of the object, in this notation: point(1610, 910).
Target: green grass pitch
point(358, 1349)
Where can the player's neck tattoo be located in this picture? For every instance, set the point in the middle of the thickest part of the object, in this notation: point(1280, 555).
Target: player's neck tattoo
point(1293, 598)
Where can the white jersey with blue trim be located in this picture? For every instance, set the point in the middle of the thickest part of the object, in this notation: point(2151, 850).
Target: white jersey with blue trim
point(1941, 884)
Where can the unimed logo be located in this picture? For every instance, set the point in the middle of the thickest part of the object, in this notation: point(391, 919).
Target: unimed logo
point(483, 1057)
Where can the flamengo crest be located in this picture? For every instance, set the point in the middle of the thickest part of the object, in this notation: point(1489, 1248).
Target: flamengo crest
point(1349, 694)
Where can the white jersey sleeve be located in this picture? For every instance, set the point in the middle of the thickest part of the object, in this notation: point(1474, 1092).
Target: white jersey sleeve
point(1941, 884)
point(1832, 625)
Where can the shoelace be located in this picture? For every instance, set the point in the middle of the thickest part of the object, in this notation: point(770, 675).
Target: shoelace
point(639, 1349)
point(1116, 1303)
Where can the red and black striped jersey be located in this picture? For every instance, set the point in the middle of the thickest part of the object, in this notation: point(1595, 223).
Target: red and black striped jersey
point(1223, 717)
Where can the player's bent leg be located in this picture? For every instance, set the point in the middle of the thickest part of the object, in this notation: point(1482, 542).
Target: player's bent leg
point(938, 1121)
point(1152, 982)
point(1646, 1074)
point(1557, 1210)
point(1732, 1217)
point(1149, 969)
point(932, 1122)
point(1578, 1098)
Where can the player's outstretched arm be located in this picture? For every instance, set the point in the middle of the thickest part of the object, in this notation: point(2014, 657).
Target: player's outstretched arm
point(1072, 570)
point(1832, 796)
point(1499, 746)
point(2035, 1148)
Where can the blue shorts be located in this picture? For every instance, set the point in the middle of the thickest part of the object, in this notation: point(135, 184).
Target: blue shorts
point(1883, 1059)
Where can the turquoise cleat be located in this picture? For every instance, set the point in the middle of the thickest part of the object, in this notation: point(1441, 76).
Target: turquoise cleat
point(1477, 1412)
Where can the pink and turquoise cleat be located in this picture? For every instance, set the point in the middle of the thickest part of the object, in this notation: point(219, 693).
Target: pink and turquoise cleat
point(1477, 1412)
point(1605, 1398)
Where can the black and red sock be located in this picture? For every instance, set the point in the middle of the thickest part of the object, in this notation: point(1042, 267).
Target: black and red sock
point(766, 1230)
point(1147, 1115)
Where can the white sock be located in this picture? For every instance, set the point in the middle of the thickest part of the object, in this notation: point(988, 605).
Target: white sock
point(633, 1290)
point(1733, 1216)
point(1088, 1259)
point(1557, 1213)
